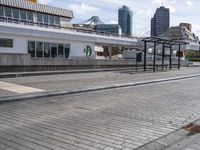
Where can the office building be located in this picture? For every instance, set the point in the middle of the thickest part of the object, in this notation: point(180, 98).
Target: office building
point(108, 28)
point(187, 25)
point(125, 20)
point(160, 21)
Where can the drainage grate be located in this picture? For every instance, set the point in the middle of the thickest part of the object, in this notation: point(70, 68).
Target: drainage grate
point(194, 128)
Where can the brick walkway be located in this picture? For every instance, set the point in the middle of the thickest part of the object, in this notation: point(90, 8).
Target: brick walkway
point(71, 82)
point(121, 119)
point(195, 146)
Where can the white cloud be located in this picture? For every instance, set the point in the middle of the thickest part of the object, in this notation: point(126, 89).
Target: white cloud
point(44, 1)
point(82, 9)
point(107, 10)
point(172, 9)
point(112, 22)
point(189, 3)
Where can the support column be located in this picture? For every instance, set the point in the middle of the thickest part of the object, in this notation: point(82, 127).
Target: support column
point(110, 52)
point(145, 55)
point(170, 58)
point(154, 58)
point(163, 56)
point(179, 57)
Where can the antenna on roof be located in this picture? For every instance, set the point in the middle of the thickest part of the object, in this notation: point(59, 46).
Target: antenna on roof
point(162, 3)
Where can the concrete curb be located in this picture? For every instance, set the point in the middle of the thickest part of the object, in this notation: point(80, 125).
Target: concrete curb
point(177, 140)
point(23, 74)
point(92, 89)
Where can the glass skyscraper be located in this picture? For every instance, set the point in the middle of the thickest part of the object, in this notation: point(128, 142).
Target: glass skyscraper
point(125, 20)
point(160, 22)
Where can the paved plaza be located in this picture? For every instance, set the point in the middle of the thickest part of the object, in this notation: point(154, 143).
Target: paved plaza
point(70, 82)
point(116, 119)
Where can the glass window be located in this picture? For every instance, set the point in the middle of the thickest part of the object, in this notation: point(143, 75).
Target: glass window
point(29, 16)
point(67, 50)
point(54, 50)
point(8, 12)
point(1, 11)
point(6, 43)
point(60, 51)
point(39, 49)
point(51, 20)
point(23, 14)
point(45, 18)
point(15, 13)
point(47, 50)
point(39, 17)
point(57, 20)
point(31, 48)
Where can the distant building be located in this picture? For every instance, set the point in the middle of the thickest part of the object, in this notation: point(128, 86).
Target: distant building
point(160, 22)
point(95, 23)
point(110, 28)
point(89, 23)
point(180, 33)
point(125, 20)
point(187, 25)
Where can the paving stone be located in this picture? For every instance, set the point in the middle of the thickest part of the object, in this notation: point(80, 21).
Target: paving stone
point(120, 119)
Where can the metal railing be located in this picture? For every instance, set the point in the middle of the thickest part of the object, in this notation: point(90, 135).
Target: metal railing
point(76, 29)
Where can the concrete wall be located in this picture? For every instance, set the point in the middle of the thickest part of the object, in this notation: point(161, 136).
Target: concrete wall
point(23, 62)
point(26, 60)
point(77, 49)
point(19, 43)
point(14, 59)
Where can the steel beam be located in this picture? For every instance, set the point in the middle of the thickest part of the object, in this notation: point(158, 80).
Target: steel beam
point(163, 56)
point(170, 58)
point(154, 58)
point(145, 56)
point(179, 56)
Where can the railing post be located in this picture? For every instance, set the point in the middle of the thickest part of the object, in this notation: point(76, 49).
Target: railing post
point(179, 57)
point(136, 62)
point(145, 55)
point(170, 58)
point(110, 51)
point(163, 56)
point(154, 58)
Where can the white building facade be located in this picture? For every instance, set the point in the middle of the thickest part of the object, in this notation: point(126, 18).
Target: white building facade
point(46, 32)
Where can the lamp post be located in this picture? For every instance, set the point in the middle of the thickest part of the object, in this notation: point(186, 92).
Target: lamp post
point(199, 49)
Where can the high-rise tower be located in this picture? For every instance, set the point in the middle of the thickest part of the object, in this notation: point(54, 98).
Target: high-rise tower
point(125, 20)
point(160, 22)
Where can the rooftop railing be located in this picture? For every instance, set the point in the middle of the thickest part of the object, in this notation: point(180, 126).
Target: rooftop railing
point(76, 29)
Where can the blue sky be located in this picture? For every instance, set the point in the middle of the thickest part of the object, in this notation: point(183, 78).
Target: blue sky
point(107, 10)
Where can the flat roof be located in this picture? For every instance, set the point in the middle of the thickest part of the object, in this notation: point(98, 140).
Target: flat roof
point(28, 5)
point(163, 41)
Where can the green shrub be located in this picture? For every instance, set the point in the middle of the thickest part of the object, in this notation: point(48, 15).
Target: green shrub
point(194, 59)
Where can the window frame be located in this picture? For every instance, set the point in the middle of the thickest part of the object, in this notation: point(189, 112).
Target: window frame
point(49, 50)
point(10, 17)
point(3, 12)
point(39, 54)
point(33, 55)
point(13, 14)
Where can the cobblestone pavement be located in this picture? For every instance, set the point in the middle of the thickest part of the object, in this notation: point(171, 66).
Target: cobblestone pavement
point(87, 80)
point(121, 119)
point(195, 146)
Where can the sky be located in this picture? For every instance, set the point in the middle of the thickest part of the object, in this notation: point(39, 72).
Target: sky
point(180, 11)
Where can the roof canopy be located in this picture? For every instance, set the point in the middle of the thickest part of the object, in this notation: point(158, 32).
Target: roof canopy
point(28, 5)
point(163, 41)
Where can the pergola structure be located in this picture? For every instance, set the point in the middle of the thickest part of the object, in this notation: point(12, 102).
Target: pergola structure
point(166, 43)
